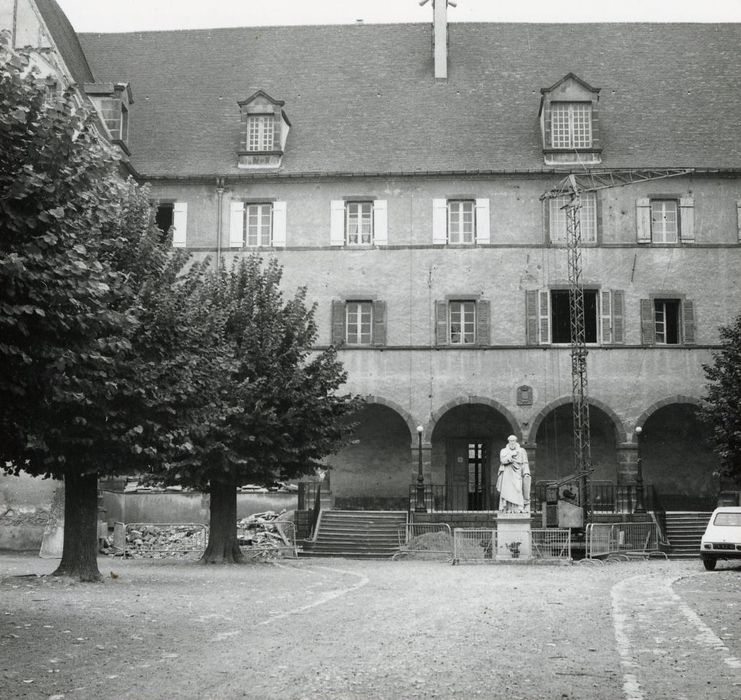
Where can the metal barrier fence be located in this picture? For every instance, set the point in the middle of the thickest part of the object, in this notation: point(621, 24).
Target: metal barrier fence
point(156, 540)
point(480, 546)
point(629, 539)
point(425, 541)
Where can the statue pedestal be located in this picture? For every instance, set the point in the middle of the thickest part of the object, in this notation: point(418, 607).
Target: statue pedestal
point(513, 537)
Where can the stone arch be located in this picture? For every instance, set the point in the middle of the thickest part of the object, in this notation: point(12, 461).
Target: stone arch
point(405, 415)
point(678, 398)
point(619, 426)
point(463, 400)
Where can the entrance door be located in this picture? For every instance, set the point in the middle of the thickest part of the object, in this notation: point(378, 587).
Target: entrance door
point(467, 477)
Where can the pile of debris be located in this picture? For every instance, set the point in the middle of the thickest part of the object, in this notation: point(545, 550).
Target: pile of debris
point(267, 533)
point(140, 540)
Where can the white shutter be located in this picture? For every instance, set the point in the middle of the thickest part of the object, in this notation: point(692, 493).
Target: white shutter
point(179, 224)
point(687, 219)
point(440, 221)
point(380, 222)
point(279, 224)
point(643, 220)
point(544, 316)
point(337, 222)
point(483, 233)
point(606, 316)
point(738, 218)
point(236, 225)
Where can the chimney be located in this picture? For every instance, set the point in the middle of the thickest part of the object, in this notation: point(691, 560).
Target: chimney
point(440, 27)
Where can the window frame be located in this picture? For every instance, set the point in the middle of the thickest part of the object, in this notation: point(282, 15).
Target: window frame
point(463, 317)
point(684, 319)
point(445, 318)
point(359, 217)
point(663, 240)
point(258, 140)
point(360, 309)
point(557, 229)
point(571, 123)
point(465, 215)
point(259, 232)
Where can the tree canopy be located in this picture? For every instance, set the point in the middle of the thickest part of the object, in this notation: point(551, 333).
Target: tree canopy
point(721, 407)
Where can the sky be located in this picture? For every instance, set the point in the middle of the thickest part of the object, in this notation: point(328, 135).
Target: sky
point(136, 15)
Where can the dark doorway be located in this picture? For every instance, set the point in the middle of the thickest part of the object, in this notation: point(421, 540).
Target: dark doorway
point(468, 483)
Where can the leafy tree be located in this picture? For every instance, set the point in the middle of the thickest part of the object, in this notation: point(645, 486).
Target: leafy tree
point(279, 411)
point(102, 357)
point(721, 407)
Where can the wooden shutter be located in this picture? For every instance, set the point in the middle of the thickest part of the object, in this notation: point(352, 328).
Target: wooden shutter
point(236, 225)
point(379, 323)
point(179, 224)
point(440, 221)
point(648, 324)
point(606, 317)
point(483, 226)
point(738, 218)
point(618, 316)
point(643, 220)
point(483, 322)
point(338, 322)
point(531, 316)
point(337, 222)
point(544, 316)
point(441, 323)
point(687, 220)
point(688, 322)
point(380, 222)
point(279, 224)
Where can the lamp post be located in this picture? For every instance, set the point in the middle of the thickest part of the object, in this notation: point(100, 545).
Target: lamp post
point(640, 508)
point(419, 506)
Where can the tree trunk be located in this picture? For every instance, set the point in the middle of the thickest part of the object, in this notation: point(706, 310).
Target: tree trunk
point(223, 547)
point(80, 551)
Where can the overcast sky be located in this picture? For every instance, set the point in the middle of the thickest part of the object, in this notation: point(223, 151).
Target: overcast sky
point(133, 15)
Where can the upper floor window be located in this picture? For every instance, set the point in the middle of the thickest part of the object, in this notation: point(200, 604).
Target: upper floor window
point(358, 322)
point(571, 124)
point(459, 221)
point(549, 316)
point(667, 320)
point(358, 222)
point(260, 130)
point(255, 224)
point(461, 322)
point(558, 217)
point(112, 101)
point(264, 131)
point(665, 220)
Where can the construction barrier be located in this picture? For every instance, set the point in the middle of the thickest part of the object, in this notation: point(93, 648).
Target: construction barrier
point(550, 543)
point(479, 546)
point(425, 541)
point(627, 539)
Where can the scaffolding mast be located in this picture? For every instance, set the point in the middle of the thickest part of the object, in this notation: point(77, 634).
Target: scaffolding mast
point(572, 187)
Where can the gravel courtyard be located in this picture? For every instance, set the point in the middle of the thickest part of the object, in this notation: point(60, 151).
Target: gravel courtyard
point(347, 629)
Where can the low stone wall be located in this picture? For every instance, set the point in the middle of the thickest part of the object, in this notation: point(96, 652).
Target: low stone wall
point(185, 507)
point(25, 504)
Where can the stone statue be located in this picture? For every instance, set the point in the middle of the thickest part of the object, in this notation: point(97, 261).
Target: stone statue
point(513, 480)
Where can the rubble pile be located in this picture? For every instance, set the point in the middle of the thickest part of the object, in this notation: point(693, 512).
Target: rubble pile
point(265, 533)
point(157, 541)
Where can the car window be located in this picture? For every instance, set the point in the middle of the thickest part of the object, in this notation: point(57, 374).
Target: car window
point(728, 519)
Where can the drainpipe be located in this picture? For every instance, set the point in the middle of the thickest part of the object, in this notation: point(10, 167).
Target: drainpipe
point(219, 218)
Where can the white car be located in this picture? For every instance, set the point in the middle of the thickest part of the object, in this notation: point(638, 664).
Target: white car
point(722, 538)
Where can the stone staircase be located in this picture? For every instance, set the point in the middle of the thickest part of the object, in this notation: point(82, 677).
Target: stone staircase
point(684, 530)
point(356, 534)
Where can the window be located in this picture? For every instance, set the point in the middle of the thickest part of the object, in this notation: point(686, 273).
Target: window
point(255, 224)
point(571, 124)
point(459, 221)
point(667, 321)
point(461, 322)
point(164, 216)
point(665, 220)
point(557, 216)
point(549, 316)
point(358, 222)
point(260, 130)
point(172, 218)
point(359, 322)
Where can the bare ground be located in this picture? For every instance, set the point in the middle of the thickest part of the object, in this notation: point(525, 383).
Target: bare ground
point(345, 629)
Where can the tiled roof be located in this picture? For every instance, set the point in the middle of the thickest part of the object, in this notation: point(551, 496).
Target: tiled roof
point(362, 98)
point(66, 40)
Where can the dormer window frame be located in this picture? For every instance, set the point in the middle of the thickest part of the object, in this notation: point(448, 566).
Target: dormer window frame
point(112, 101)
point(256, 113)
point(569, 140)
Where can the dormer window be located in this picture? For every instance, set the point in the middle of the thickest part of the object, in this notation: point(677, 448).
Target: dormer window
point(569, 122)
point(112, 101)
point(264, 131)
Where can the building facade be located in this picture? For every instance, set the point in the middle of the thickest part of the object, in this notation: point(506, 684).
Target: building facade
point(398, 172)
